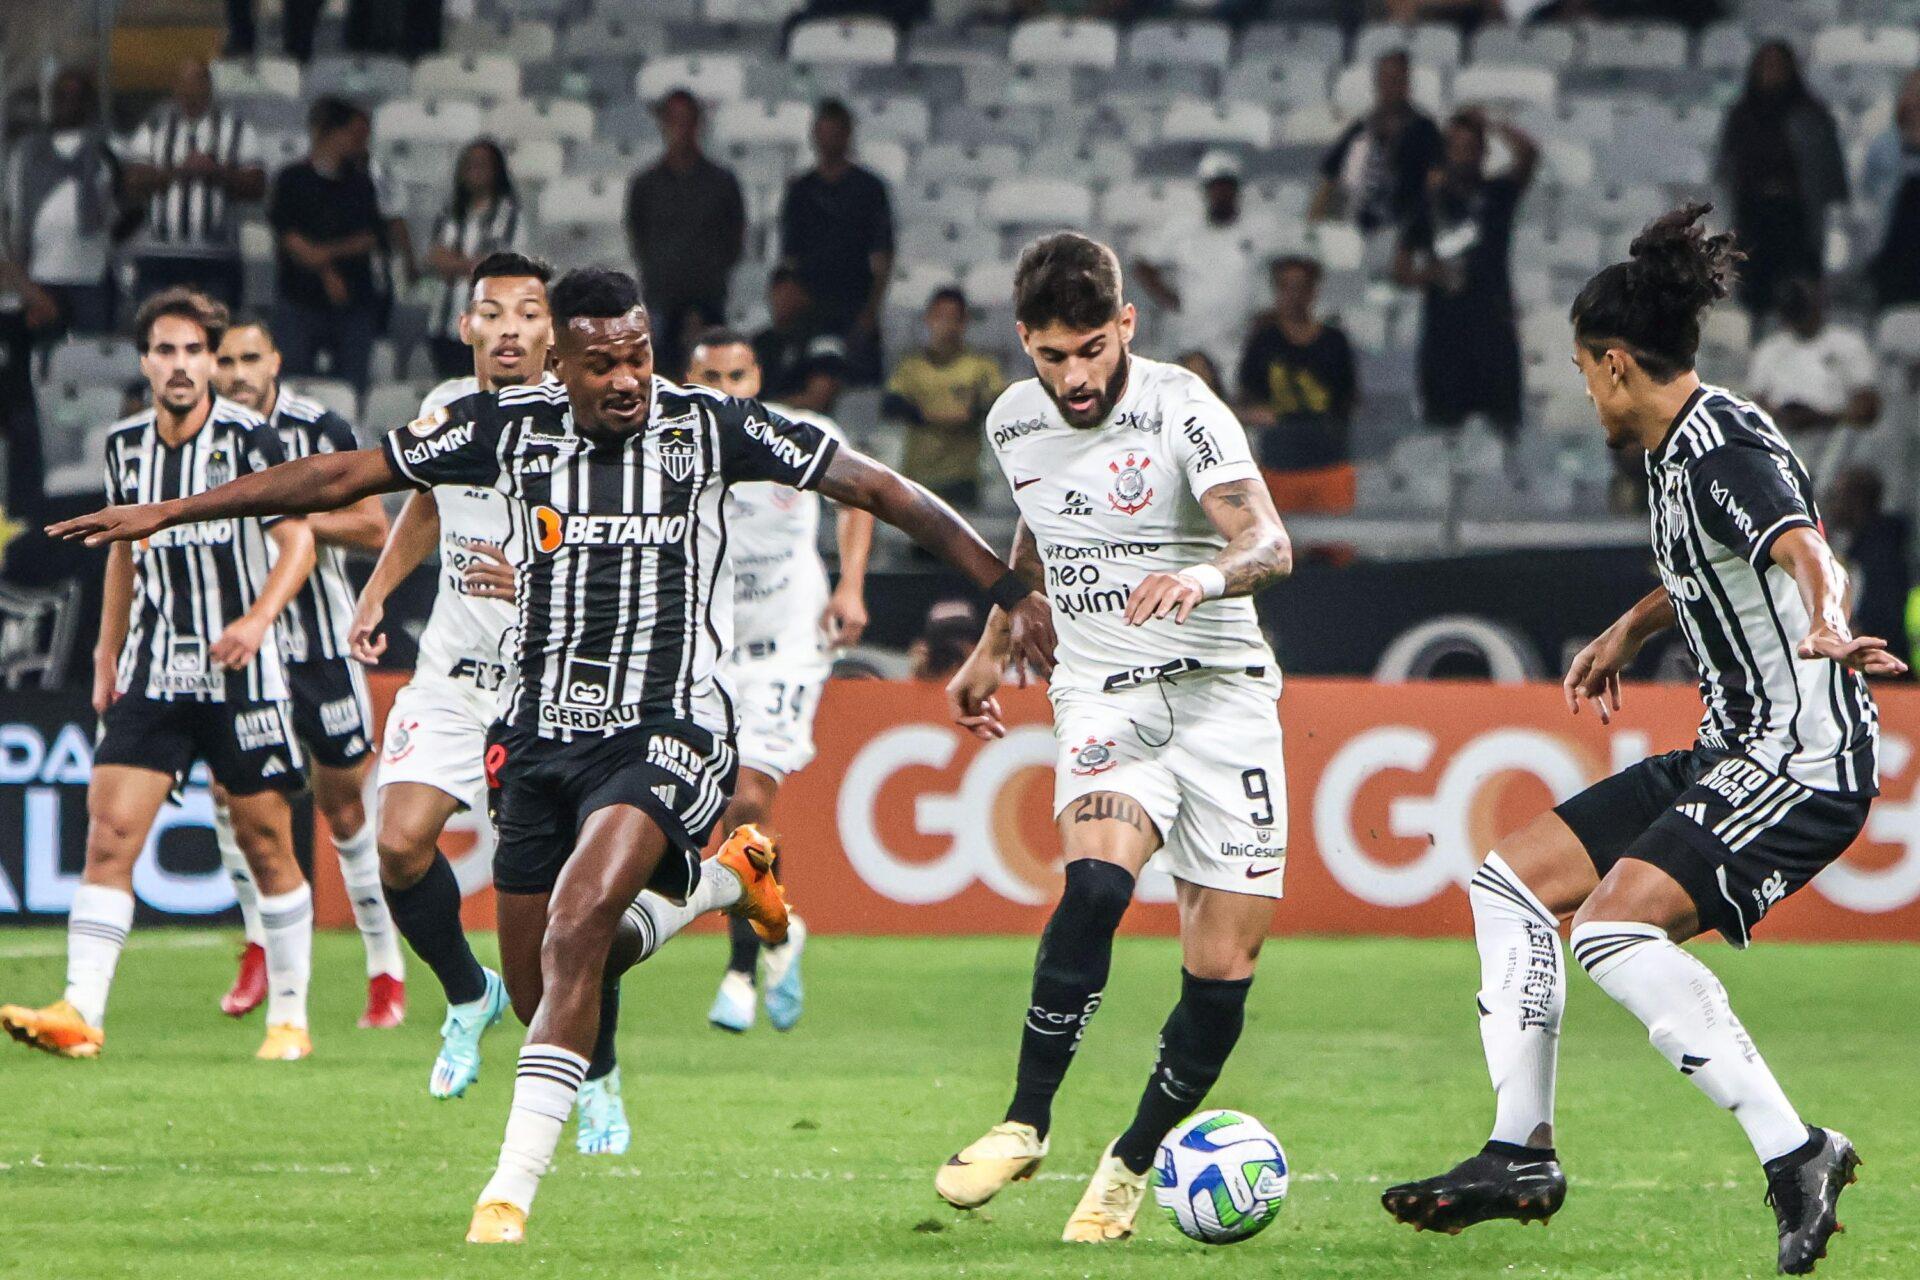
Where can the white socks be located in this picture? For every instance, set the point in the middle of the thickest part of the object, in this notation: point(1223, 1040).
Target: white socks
point(658, 918)
point(360, 868)
point(1690, 1022)
point(235, 862)
point(97, 928)
point(544, 1088)
point(1523, 993)
point(288, 921)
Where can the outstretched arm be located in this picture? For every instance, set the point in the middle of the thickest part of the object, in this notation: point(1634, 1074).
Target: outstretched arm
point(1803, 553)
point(323, 482)
point(241, 640)
point(1258, 553)
point(413, 537)
point(360, 527)
point(1594, 674)
point(855, 480)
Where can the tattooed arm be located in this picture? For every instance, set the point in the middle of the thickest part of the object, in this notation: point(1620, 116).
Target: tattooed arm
point(1258, 553)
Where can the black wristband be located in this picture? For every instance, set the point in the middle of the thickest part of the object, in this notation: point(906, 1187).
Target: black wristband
point(1009, 590)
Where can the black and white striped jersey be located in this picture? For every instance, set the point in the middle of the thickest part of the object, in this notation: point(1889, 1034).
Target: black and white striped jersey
point(1724, 485)
point(626, 594)
point(314, 626)
point(192, 580)
point(473, 234)
point(192, 215)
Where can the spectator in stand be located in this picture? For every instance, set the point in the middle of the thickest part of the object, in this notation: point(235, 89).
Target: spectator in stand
point(1456, 248)
point(1876, 545)
point(836, 231)
point(1781, 165)
point(942, 393)
point(298, 18)
point(328, 224)
point(1298, 386)
point(1199, 269)
point(62, 192)
point(193, 163)
point(25, 310)
point(1201, 365)
point(781, 347)
point(821, 377)
point(944, 642)
point(1376, 174)
point(687, 225)
point(483, 217)
point(1815, 378)
point(1892, 186)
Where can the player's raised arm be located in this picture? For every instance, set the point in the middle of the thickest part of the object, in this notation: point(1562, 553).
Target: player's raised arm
point(414, 534)
point(1803, 553)
point(1594, 673)
point(1258, 553)
point(323, 482)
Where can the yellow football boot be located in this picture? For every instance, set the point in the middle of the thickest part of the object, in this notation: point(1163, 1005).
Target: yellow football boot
point(1008, 1152)
point(57, 1029)
point(497, 1222)
point(1109, 1205)
point(285, 1043)
point(749, 855)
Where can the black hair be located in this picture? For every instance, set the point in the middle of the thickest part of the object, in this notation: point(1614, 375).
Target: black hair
point(948, 293)
point(784, 275)
point(189, 304)
point(251, 320)
point(502, 174)
point(833, 109)
point(721, 335)
point(679, 93)
point(1290, 261)
point(1066, 278)
point(505, 262)
point(597, 293)
point(330, 112)
point(1651, 304)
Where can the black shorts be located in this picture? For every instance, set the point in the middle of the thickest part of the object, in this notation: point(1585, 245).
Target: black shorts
point(540, 791)
point(331, 714)
point(1737, 837)
point(248, 746)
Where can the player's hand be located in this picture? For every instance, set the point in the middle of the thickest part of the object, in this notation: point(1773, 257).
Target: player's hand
point(1594, 676)
point(239, 643)
point(105, 670)
point(1162, 594)
point(845, 618)
point(112, 524)
point(364, 640)
point(1866, 654)
point(490, 574)
point(1033, 641)
point(335, 285)
point(970, 699)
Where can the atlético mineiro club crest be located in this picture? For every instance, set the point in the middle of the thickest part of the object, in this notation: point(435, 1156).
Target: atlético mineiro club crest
point(1131, 489)
point(219, 468)
point(677, 451)
point(1093, 756)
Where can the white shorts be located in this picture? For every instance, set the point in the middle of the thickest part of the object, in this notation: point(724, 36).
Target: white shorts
point(1202, 754)
point(774, 699)
point(437, 735)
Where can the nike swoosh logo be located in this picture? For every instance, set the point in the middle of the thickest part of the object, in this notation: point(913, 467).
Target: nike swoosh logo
point(1254, 873)
point(1519, 1168)
point(1018, 485)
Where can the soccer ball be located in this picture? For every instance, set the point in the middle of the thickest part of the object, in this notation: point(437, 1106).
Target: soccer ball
point(1221, 1177)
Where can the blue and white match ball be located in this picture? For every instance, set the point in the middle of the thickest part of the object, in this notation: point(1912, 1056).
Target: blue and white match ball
point(1221, 1176)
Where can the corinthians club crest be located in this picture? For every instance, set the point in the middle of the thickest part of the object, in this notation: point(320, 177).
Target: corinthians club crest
point(677, 448)
point(1131, 490)
point(1093, 756)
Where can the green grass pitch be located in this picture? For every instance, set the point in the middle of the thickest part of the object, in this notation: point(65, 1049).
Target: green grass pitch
point(811, 1154)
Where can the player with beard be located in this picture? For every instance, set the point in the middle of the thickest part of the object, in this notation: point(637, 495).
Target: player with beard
point(332, 714)
point(1144, 517)
point(613, 757)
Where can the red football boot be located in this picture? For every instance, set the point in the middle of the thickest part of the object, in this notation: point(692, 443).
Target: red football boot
point(386, 1002)
point(249, 985)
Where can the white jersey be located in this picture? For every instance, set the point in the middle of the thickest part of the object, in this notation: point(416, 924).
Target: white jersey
point(465, 638)
point(773, 542)
point(1109, 505)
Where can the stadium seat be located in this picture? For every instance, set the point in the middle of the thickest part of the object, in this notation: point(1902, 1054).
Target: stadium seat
point(1311, 124)
point(1036, 200)
point(69, 411)
point(1860, 45)
point(1217, 122)
point(887, 157)
point(951, 243)
point(1571, 248)
point(720, 78)
point(1145, 87)
point(1353, 88)
point(416, 121)
point(262, 77)
point(1898, 334)
point(1284, 199)
point(360, 78)
point(1180, 43)
point(1091, 162)
point(82, 362)
point(1430, 44)
point(1567, 164)
point(522, 41)
point(556, 121)
point(752, 121)
point(941, 46)
point(910, 83)
point(1488, 84)
point(860, 41)
point(1614, 205)
point(903, 119)
point(330, 392)
point(1633, 46)
point(1070, 42)
point(759, 11)
point(1285, 84)
point(424, 162)
point(608, 35)
point(1319, 43)
point(926, 201)
point(987, 283)
point(967, 162)
point(579, 201)
point(1725, 46)
point(914, 282)
point(1028, 84)
point(486, 77)
point(1143, 203)
point(1534, 45)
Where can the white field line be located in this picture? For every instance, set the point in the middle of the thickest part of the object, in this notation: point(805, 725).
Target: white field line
point(52, 945)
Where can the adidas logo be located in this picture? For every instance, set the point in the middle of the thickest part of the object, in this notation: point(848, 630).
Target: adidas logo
point(1690, 1064)
point(1696, 812)
point(663, 792)
point(274, 767)
point(1076, 504)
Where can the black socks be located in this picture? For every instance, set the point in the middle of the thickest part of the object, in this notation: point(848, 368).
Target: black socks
point(743, 955)
point(1194, 1044)
point(603, 1061)
point(1069, 975)
point(428, 914)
